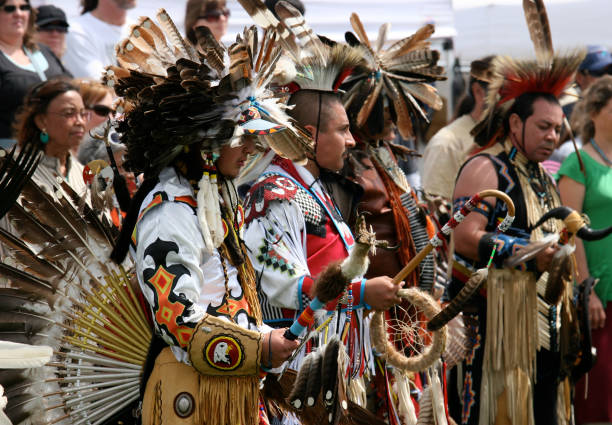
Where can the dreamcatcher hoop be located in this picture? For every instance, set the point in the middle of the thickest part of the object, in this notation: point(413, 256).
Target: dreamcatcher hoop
point(432, 347)
point(429, 345)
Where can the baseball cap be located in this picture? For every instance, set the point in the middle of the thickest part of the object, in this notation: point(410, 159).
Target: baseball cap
point(597, 58)
point(50, 17)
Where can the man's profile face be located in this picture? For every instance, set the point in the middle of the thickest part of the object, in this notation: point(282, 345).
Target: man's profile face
point(334, 139)
point(541, 130)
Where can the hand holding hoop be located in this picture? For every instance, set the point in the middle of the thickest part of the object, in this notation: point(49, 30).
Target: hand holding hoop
point(412, 334)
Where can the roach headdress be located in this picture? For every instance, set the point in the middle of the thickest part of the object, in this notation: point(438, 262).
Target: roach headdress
point(548, 73)
point(397, 76)
point(308, 63)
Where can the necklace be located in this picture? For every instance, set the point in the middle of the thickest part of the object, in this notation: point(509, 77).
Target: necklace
point(601, 154)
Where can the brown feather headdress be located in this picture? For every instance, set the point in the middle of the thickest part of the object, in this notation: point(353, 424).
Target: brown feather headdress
point(548, 73)
point(179, 94)
point(399, 75)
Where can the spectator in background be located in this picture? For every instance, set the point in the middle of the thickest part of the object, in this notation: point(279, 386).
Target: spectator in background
point(213, 14)
point(98, 100)
point(90, 44)
point(448, 148)
point(591, 193)
point(51, 28)
point(23, 62)
point(53, 118)
point(596, 64)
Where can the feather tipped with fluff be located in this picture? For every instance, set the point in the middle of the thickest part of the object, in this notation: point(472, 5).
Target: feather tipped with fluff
point(297, 396)
point(329, 373)
point(295, 22)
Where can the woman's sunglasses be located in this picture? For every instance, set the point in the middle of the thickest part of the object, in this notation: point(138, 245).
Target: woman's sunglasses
point(101, 110)
point(215, 15)
point(11, 8)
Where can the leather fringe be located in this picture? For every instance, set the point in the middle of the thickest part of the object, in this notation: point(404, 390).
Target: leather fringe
point(229, 400)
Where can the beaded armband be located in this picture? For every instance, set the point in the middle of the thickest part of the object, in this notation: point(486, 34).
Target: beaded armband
point(482, 207)
point(506, 246)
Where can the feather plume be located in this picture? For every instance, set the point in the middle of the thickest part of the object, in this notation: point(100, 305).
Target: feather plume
point(391, 74)
point(510, 78)
point(298, 394)
point(360, 30)
point(295, 22)
point(266, 19)
point(183, 47)
point(329, 373)
point(469, 288)
point(313, 387)
point(539, 29)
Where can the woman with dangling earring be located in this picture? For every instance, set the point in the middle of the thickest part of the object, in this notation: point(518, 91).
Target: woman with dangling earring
point(590, 192)
point(52, 120)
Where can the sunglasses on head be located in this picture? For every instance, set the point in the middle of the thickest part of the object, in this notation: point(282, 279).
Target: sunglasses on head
point(101, 110)
point(215, 15)
point(12, 8)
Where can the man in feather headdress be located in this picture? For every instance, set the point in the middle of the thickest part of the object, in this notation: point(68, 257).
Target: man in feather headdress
point(516, 370)
point(294, 228)
point(189, 132)
point(377, 98)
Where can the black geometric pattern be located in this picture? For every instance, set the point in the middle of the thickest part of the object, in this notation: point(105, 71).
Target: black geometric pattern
point(270, 259)
point(314, 215)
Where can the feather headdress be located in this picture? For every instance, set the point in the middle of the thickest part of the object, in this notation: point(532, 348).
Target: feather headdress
point(182, 94)
point(308, 63)
point(399, 75)
point(511, 78)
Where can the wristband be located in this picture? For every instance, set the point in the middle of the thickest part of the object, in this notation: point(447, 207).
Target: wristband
point(506, 246)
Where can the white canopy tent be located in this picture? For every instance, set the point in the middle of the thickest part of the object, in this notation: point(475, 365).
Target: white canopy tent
point(487, 27)
point(467, 29)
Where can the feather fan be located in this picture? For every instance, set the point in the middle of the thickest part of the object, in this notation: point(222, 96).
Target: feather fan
point(63, 293)
point(391, 74)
